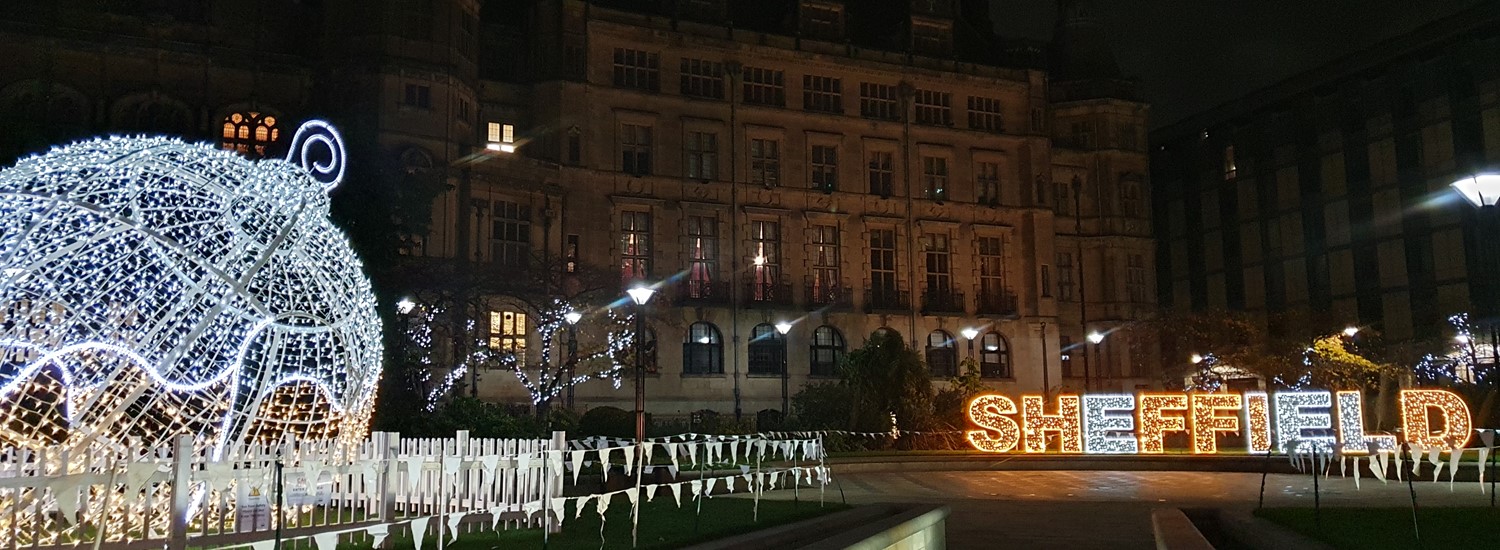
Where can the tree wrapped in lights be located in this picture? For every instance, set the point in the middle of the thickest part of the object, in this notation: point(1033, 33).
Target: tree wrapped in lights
point(151, 287)
point(547, 290)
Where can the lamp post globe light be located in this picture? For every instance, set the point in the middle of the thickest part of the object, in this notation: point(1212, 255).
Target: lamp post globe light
point(783, 328)
point(970, 333)
point(572, 317)
point(640, 295)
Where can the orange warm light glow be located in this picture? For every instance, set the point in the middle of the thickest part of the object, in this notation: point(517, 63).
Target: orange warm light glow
point(1258, 420)
point(1066, 423)
point(1416, 421)
point(1207, 422)
point(1153, 425)
point(990, 412)
point(1431, 418)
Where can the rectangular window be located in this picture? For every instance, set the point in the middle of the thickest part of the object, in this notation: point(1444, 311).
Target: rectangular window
point(1230, 171)
point(702, 155)
point(508, 334)
point(987, 178)
point(1135, 278)
point(765, 86)
point(1065, 276)
point(765, 162)
point(1130, 198)
point(826, 287)
point(935, 108)
point(570, 254)
point(418, 95)
point(635, 149)
point(1062, 206)
point(883, 287)
point(575, 148)
point(881, 173)
point(878, 101)
point(637, 69)
point(702, 78)
point(462, 113)
point(822, 93)
point(825, 168)
point(1046, 280)
point(984, 114)
point(991, 274)
point(765, 262)
point(635, 246)
point(935, 177)
point(510, 241)
point(703, 255)
point(939, 275)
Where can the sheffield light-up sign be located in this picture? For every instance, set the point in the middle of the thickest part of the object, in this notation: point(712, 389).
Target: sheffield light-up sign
point(1283, 421)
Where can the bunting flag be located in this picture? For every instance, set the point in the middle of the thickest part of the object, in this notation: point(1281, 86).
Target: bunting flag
point(378, 533)
point(419, 530)
point(326, 541)
point(576, 458)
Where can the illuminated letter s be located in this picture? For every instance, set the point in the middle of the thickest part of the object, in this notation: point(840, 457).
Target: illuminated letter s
point(989, 412)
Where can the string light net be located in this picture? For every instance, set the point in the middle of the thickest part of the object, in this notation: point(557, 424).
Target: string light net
point(151, 287)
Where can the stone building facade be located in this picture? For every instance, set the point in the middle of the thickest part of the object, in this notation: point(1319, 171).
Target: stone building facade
point(787, 168)
point(1329, 192)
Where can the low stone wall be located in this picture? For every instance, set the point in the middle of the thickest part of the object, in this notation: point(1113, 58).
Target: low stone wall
point(871, 527)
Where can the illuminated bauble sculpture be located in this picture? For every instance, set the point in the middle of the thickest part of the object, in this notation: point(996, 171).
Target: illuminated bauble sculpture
point(151, 287)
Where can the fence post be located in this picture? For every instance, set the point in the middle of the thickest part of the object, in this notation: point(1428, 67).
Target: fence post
point(554, 479)
point(182, 465)
point(388, 444)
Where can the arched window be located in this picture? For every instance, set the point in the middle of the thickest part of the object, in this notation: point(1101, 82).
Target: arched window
point(767, 347)
point(882, 331)
point(994, 356)
point(942, 356)
point(249, 133)
point(703, 352)
point(827, 351)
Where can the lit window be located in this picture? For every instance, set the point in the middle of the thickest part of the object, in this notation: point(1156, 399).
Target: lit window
point(635, 246)
point(500, 137)
point(1229, 168)
point(508, 334)
point(249, 133)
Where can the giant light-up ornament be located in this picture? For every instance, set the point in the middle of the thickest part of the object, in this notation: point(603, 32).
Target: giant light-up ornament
point(151, 287)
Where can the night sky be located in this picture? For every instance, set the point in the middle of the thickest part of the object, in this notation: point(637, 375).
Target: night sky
point(1191, 55)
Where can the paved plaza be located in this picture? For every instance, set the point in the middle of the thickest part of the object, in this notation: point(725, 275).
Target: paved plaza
point(1102, 509)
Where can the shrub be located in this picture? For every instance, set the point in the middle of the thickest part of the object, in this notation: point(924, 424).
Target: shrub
point(607, 422)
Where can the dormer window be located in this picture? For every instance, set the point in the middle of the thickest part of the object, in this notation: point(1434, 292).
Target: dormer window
point(931, 37)
point(823, 21)
point(500, 137)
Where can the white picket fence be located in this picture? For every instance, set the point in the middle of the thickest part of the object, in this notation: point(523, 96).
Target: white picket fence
point(125, 499)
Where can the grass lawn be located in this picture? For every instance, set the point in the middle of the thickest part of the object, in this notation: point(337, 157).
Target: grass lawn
point(663, 525)
point(1372, 528)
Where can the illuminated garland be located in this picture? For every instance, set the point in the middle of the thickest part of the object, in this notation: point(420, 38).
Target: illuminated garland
point(151, 287)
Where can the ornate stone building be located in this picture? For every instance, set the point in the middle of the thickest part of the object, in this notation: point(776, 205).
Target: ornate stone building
point(845, 167)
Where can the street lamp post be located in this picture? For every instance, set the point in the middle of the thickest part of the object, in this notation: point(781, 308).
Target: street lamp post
point(640, 295)
point(970, 334)
point(572, 318)
point(783, 328)
point(1095, 338)
point(1483, 191)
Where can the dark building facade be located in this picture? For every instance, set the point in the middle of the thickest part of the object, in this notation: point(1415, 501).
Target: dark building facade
point(845, 166)
point(1329, 192)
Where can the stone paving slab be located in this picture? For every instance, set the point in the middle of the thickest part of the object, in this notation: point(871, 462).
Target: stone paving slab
point(1108, 510)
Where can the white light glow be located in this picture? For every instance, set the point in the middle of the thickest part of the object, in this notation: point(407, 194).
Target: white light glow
point(1351, 331)
point(1480, 189)
point(572, 317)
point(154, 287)
point(1096, 337)
point(640, 295)
point(1106, 433)
point(783, 327)
point(970, 333)
point(1304, 417)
